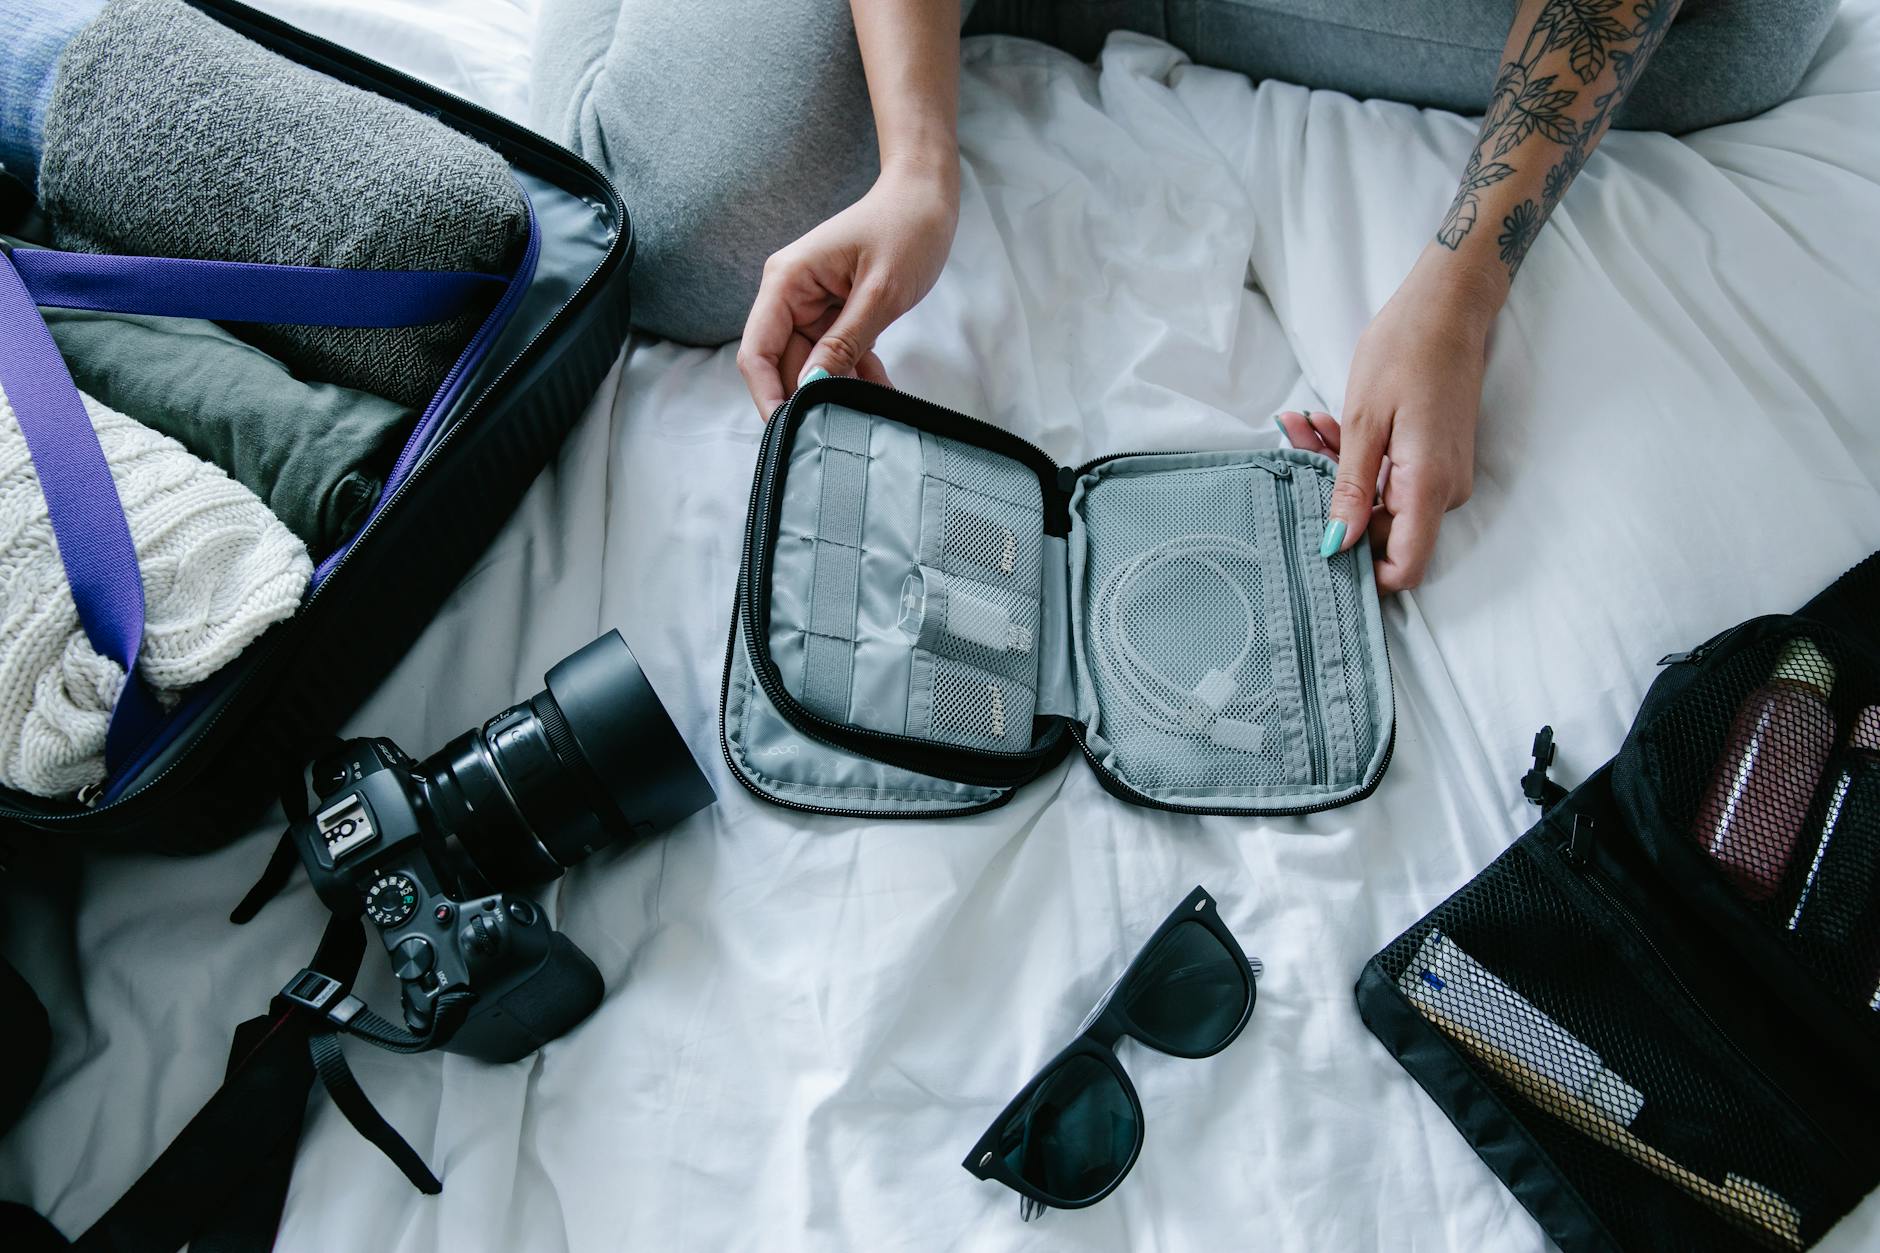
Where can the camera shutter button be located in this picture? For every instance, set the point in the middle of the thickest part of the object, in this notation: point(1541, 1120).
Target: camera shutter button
point(413, 958)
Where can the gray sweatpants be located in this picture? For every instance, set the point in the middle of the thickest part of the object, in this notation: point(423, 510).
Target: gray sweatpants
point(732, 128)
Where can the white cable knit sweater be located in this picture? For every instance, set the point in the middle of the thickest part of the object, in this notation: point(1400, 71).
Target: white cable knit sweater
point(218, 569)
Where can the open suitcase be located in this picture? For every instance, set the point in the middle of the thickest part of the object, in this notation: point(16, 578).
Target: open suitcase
point(517, 388)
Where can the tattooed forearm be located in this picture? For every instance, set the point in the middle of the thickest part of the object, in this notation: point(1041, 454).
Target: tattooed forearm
point(1570, 64)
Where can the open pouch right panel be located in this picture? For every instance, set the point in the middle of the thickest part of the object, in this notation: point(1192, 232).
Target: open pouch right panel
point(1222, 665)
point(931, 613)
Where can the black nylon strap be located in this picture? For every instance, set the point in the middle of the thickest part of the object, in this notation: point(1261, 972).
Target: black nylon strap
point(330, 1064)
point(227, 1148)
point(248, 1222)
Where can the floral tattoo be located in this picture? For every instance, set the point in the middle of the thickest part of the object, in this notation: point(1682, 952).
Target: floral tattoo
point(1524, 104)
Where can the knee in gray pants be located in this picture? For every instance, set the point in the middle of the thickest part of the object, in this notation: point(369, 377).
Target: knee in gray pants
point(730, 131)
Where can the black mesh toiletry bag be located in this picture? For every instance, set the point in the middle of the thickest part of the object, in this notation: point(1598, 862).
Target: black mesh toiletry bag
point(524, 367)
point(930, 612)
point(1655, 1016)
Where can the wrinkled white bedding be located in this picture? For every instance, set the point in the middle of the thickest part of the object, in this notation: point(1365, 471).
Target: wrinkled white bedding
point(810, 1021)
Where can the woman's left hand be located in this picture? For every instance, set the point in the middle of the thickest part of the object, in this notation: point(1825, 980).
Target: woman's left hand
point(1412, 399)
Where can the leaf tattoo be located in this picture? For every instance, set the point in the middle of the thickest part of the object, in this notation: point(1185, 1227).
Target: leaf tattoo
point(1538, 108)
point(1586, 29)
point(1598, 40)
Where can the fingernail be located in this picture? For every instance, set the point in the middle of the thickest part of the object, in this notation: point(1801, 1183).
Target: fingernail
point(1280, 425)
point(812, 374)
point(1334, 538)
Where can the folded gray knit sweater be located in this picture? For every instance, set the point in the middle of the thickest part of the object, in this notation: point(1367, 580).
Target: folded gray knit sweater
point(169, 134)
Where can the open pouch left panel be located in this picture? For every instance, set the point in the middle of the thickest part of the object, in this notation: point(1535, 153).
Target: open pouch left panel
point(358, 312)
point(931, 612)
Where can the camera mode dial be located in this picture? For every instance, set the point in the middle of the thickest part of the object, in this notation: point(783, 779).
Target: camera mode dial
point(391, 899)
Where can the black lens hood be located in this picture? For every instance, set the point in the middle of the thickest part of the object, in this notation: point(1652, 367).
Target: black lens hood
point(625, 737)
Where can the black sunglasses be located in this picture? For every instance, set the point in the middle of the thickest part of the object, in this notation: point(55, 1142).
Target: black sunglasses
point(1072, 1133)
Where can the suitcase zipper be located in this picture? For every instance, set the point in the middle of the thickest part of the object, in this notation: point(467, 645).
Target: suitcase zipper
point(264, 648)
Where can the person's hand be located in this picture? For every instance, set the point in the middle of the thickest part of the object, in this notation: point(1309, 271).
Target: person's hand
point(825, 298)
point(1412, 399)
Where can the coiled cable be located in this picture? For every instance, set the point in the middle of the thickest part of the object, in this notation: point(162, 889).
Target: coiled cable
point(1126, 674)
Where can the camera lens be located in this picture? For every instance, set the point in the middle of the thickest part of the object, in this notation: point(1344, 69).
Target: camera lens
point(590, 759)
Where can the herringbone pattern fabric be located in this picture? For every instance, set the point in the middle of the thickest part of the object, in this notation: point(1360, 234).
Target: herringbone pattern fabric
point(171, 135)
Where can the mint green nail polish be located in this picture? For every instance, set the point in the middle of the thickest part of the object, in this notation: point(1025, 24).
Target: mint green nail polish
point(1280, 425)
point(810, 376)
point(1334, 538)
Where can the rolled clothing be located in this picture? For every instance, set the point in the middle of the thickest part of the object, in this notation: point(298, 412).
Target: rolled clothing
point(315, 453)
point(169, 134)
point(37, 31)
point(218, 569)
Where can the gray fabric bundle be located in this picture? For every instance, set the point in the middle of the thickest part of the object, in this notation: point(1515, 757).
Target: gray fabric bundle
point(169, 134)
point(315, 453)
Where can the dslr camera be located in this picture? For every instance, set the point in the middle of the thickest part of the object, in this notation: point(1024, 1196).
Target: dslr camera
point(433, 852)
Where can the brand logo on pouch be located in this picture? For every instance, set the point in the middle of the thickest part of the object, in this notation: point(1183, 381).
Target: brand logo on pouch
point(778, 750)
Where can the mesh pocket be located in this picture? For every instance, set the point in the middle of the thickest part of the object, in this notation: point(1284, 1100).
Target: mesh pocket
point(975, 708)
point(1556, 1003)
point(991, 539)
point(1768, 765)
point(986, 473)
point(986, 626)
point(1178, 595)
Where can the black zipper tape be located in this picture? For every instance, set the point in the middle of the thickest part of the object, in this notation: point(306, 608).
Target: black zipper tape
point(978, 767)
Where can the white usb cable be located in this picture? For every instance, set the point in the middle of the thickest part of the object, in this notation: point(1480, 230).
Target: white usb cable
point(1131, 677)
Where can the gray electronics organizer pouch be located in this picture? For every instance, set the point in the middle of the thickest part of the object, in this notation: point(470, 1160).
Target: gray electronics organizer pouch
point(930, 613)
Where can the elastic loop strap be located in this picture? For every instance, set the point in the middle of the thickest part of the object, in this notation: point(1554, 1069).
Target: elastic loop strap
point(238, 291)
point(88, 523)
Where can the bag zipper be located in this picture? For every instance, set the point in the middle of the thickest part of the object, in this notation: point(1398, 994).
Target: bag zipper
point(265, 648)
point(724, 746)
point(1314, 715)
point(1600, 883)
point(1058, 491)
point(1303, 644)
point(1004, 768)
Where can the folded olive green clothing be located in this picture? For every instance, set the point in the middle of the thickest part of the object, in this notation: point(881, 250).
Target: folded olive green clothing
point(315, 453)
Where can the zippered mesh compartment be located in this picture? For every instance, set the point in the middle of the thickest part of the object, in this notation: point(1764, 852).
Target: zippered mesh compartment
point(1764, 775)
point(1557, 1005)
point(1221, 666)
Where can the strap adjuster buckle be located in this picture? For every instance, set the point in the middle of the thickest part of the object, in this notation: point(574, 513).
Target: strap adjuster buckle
point(1535, 785)
point(312, 990)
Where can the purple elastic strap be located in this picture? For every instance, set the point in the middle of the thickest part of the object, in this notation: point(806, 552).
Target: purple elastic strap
point(87, 516)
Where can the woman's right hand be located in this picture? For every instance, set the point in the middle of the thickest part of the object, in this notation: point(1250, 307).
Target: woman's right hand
point(825, 298)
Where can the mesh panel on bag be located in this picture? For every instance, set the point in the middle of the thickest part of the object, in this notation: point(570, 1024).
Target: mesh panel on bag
point(1153, 634)
point(988, 474)
point(978, 709)
point(1642, 1105)
point(990, 550)
point(1761, 764)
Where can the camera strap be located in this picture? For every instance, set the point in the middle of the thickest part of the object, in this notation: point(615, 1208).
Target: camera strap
point(340, 1012)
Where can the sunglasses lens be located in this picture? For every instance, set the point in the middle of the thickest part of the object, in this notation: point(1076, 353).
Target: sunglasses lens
point(1076, 1135)
point(1190, 992)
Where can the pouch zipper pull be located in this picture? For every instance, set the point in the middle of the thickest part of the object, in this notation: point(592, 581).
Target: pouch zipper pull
point(1580, 842)
point(1678, 659)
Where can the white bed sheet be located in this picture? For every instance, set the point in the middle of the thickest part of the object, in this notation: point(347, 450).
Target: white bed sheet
point(809, 1022)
